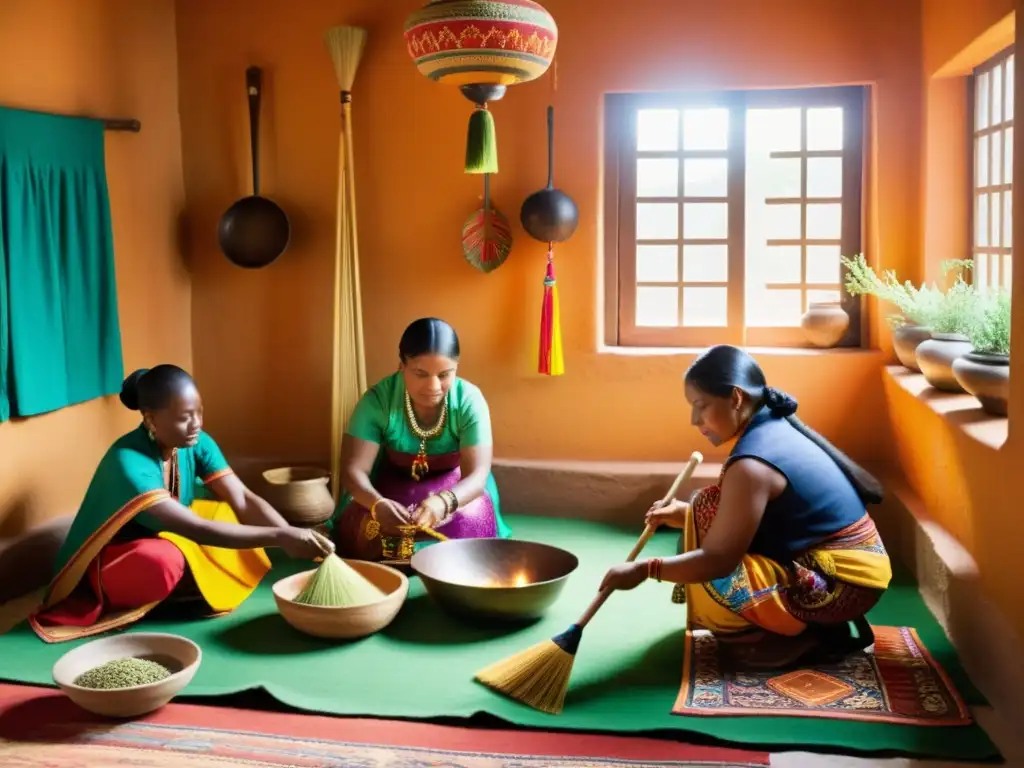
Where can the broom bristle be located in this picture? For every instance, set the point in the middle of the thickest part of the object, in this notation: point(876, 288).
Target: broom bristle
point(481, 143)
point(346, 45)
point(538, 676)
point(336, 584)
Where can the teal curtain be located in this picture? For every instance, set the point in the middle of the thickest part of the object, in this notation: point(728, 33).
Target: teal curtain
point(60, 339)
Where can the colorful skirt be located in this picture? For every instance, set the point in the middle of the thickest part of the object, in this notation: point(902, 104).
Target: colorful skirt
point(393, 479)
point(836, 582)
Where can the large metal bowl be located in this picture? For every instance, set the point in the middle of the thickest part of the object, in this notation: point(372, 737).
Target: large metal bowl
point(503, 579)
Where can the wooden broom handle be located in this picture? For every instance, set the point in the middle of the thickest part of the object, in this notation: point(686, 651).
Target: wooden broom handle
point(691, 466)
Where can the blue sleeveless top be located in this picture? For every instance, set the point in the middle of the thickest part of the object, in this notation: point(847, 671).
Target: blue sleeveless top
point(819, 500)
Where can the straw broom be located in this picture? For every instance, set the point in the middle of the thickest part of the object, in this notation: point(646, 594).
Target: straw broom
point(539, 676)
point(346, 45)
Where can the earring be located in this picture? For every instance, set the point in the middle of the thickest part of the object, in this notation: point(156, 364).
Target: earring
point(152, 435)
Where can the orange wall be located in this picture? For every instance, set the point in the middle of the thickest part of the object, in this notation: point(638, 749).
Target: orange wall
point(262, 339)
point(966, 486)
point(110, 58)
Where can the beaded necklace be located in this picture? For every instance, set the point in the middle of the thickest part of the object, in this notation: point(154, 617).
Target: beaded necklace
point(420, 467)
point(173, 484)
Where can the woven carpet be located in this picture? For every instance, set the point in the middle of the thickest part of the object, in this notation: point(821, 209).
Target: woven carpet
point(898, 681)
point(39, 728)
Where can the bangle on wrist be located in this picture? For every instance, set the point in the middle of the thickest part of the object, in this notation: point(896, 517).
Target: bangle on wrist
point(654, 568)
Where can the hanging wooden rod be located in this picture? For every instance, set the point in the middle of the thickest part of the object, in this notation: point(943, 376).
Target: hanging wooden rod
point(109, 123)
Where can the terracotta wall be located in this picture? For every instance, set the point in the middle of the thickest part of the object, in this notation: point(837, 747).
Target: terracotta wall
point(110, 58)
point(966, 485)
point(262, 340)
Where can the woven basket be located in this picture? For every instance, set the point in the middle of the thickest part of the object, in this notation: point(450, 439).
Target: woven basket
point(300, 494)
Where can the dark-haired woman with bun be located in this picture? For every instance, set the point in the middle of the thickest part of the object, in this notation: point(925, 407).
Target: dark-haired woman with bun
point(417, 451)
point(780, 559)
point(164, 517)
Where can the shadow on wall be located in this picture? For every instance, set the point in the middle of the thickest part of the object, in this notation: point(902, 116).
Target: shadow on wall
point(26, 560)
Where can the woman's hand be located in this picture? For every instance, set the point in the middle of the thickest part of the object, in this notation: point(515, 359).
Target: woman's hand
point(625, 576)
point(304, 544)
point(672, 514)
point(390, 514)
point(430, 512)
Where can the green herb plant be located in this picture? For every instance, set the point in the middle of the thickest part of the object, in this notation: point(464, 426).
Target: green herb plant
point(990, 334)
point(914, 305)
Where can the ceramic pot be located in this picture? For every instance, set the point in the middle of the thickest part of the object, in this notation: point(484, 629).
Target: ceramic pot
point(987, 377)
point(300, 494)
point(905, 340)
point(935, 359)
point(824, 323)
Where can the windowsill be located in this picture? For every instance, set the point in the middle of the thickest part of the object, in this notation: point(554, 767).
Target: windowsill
point(960, 410)
point(605, 349)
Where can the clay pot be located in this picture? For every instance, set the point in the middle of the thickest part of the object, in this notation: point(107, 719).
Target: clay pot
point(987, 377)
point(935, 358)
point(824, 323)
point(300, 494)
point(905, 340)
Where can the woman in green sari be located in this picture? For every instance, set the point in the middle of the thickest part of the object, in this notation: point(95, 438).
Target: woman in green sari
point(417, 451)
point(143, 534)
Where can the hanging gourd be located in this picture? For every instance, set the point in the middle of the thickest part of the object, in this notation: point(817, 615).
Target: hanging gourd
point(481, 46)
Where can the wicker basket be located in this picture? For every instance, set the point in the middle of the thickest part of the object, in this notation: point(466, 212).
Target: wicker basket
point(300, 494)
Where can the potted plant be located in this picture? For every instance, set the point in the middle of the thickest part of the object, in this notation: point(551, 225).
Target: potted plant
point(985, 371)
point(915, 306)
point(955, 316)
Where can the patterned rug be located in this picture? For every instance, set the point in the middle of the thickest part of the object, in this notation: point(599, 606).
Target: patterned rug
point(897, 681)
point(40, 728)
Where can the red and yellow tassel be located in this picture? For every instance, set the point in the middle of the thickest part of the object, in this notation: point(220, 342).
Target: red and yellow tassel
point(551, 362)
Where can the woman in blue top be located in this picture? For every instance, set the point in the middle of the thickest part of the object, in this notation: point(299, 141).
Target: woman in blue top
point(780, 556)
point(417, 451)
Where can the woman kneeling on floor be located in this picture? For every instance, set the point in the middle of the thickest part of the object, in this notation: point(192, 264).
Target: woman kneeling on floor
point(141, 536)
point(780, 557)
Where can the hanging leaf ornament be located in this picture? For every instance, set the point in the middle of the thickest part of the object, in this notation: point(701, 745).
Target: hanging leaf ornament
point(482, 47)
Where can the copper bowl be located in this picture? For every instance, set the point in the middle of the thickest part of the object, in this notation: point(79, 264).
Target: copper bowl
point(504, 579)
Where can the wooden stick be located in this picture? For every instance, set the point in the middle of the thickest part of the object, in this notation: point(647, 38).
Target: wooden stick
point(431, 532)
point(695, 459)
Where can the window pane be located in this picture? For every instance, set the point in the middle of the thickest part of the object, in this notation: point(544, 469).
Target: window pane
point(1008, 155)
point(1009, 88)
point(657, 221)
point(981, 162)
point(706, 128)
point(1007, 271)
point(980, 269)
point(657, 306)
point(781, 222)
point(997, 95)
point(825, 128)
point(996, 219)
point(993, 271)
point(657, 264)
point(706, 177)
point(824, 177)
point(825, 221)
point(1008, 219)
point(657, 177)
point(657, 130)
point(996, 140)
point(823, 264)
point(774, 308)
point(775, 264)
point(815, 297)
point(705, 307)
point(705, 263)
point(705, 221)
point(773, 130)
point(778, 177)
point(981, 101)
point(981, 221)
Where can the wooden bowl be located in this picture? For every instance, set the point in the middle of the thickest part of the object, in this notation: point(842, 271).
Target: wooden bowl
point(179, 654)
point(343, 623)
point(503, 579)
point(300, 494)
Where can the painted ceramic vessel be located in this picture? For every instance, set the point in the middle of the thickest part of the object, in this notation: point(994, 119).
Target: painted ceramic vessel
point(824, 323)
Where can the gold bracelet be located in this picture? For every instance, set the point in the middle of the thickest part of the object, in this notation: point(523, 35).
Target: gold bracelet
point(372, 529)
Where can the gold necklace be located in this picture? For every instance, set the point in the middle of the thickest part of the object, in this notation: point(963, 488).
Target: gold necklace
point(420, 467)
point(173, 473)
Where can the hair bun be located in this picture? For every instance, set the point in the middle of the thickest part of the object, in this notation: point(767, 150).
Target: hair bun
point(779, 403)
point(130, 389)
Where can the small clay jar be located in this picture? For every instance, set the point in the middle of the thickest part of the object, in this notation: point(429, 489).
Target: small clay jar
point(987, 377)
point(935, 358)
point(300, 494)
point(905, 341)
point(824, 323)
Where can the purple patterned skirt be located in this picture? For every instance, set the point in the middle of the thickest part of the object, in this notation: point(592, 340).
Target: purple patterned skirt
point(394, 481)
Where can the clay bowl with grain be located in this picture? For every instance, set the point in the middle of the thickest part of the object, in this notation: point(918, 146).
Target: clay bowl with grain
point(346, 623)
point(178, 654)
point(494, 579)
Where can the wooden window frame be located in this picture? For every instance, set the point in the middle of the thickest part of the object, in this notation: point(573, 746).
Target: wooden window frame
point(1006, 186)
point(620, 212)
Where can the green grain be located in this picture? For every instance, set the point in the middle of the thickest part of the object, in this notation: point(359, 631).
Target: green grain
point(123, 673)
point(336, 584)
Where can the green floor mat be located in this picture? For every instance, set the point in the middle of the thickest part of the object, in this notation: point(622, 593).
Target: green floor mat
point(626, 676)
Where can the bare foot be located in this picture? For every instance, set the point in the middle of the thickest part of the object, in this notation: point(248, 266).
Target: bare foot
point(770, 651)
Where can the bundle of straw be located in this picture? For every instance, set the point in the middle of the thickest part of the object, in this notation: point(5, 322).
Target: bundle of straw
point(539, 676)
point(346, 45)
point(336, 584)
